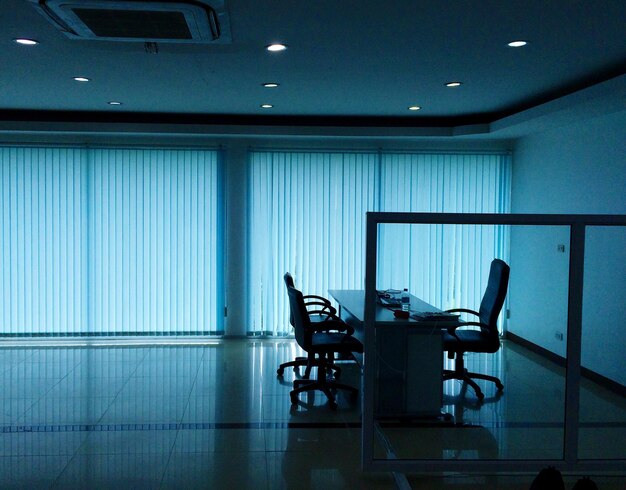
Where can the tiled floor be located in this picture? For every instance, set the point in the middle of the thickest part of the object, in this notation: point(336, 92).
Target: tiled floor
point(216, 416)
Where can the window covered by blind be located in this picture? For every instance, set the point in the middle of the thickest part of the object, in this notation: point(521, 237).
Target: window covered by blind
point(110, 242)
point(307, 216)
point(445, 265)
point(43, 241)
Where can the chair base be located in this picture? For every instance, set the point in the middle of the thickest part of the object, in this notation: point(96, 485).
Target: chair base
point(322, 383)
point(327, 387)
point(466, 377)
point(299, 362)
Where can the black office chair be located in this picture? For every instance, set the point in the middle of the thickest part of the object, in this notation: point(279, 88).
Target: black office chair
point(456, 342)
point(320, 343)
point(319, 310)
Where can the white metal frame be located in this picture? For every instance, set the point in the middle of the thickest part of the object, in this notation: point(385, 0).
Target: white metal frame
point(570, 461)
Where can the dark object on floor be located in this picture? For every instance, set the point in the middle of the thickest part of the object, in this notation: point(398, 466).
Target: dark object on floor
point(548, 479)
point(320, 310)
point(320, 341)
point(585, 483)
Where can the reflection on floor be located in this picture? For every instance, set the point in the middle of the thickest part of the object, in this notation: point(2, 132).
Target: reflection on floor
point(216, 416)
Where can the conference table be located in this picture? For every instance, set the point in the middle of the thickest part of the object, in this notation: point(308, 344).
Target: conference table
point(409, 355)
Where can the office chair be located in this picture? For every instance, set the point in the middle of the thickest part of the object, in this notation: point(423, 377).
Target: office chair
point(322, 311)
point(320, 343)
point(457, 342)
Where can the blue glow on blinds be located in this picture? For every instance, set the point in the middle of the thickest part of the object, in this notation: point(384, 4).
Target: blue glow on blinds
point(109, 242)
point(307, 216)
point(446, 266)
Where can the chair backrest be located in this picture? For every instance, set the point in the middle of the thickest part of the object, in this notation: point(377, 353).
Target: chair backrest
point(493, 299)
point(301, 322)
point(288, 278)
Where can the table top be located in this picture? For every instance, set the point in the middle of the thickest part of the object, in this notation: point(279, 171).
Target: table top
point(353, 300)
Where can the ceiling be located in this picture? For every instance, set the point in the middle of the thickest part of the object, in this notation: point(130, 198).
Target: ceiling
point(361, 63)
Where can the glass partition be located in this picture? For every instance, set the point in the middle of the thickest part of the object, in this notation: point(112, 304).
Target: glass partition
point(419, 416)
point(558, 356)
point(602, 426)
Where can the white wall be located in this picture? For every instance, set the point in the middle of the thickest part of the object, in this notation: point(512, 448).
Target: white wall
point(579, 168)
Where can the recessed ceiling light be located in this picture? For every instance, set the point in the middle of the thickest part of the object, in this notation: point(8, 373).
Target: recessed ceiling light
point(82, 79)
point(114, 102)
point(270, 85)
point(276, 47)
point(267, 106)
point(26, 42)
point(453, 84)
point(517, 44)
point(414, 108)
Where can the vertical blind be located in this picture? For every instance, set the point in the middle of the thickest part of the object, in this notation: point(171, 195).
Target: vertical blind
point(307, 216)
point(109, 242)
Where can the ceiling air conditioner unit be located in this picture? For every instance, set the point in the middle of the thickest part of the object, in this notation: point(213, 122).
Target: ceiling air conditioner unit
point(173, 21)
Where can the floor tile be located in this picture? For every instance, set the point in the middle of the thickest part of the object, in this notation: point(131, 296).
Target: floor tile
point(30, 444)
point(31, 472)
point(322, 470)
point(216, 470)
point(217, 416)
point(114, 471)
point(145, 409)
point(220, 440)
point(76, 410)
point(126, 440)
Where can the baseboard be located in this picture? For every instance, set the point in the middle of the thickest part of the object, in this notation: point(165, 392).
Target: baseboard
point(537, 349)
point(603, 381)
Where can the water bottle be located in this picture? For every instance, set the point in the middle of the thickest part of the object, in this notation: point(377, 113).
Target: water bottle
point(405, 300)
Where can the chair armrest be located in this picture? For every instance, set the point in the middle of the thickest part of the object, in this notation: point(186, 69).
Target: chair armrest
point(318, 298)
point(451, 329)
point(332, 324)
point(326, 309)
point(462, 310)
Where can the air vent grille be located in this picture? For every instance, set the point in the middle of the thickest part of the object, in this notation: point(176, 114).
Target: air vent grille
point(142, 24)
point(203, 21)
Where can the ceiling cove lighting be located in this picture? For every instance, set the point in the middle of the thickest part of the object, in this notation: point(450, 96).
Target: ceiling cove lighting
point(114, 102)
point(270, 85)
point(276, 47)
point(518, 44)
point(454, 84)
point(266, 106)
point(414, 108)
point(82, 79)
point(26, 42)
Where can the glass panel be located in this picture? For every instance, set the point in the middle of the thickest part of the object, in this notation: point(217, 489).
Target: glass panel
point(418, 418)
point(602, 430)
